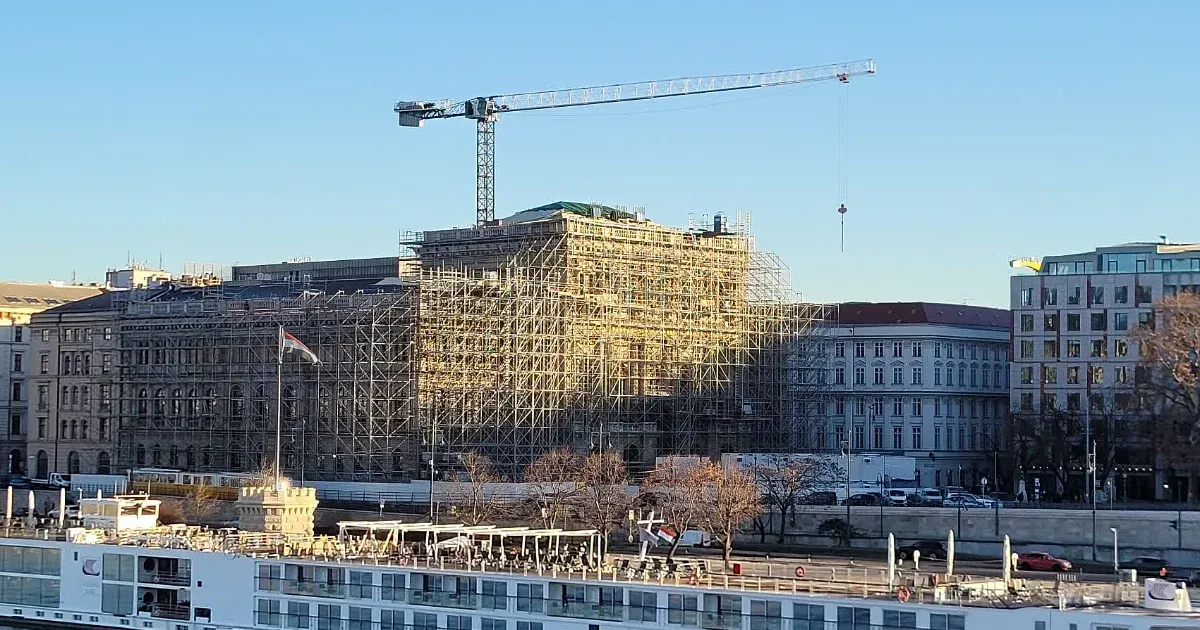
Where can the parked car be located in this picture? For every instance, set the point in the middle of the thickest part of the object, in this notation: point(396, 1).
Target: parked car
point(985, 501)
point(865, 498)
point(961, 500)
point(1040, 561)
point(930, 549)
point(930, 496)
point(897, 496)
point(1149, 566)
point(821, 498)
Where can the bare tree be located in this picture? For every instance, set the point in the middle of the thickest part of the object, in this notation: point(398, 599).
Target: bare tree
point(472, 499)
point(604, 497)
point(732, 498)
point(1168, 377)
point(784, 481)
point(676, 491)
point(201, 504)
point(554, 485)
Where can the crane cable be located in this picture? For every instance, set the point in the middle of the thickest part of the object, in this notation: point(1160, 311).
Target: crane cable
point(843, 157)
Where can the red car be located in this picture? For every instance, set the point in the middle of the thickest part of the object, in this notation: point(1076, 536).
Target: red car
point(1038, 561)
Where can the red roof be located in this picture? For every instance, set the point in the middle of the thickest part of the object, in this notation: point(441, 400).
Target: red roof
point(884, 313)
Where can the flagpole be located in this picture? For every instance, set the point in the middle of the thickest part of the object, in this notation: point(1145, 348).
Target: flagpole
point(278, 404)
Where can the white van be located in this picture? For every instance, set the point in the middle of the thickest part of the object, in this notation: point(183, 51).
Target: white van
point(931, 497)
point(897, 496)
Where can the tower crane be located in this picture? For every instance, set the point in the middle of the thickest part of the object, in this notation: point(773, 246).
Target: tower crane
point(486, 110)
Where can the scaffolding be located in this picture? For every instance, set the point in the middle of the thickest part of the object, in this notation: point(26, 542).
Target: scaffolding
point(588, 329)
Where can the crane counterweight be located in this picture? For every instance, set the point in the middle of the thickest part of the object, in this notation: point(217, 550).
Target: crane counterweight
point(485, 110)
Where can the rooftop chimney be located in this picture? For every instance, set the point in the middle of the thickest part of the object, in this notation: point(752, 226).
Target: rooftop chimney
point(1162, 238)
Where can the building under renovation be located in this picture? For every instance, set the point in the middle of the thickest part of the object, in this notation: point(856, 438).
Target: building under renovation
point(567, 325)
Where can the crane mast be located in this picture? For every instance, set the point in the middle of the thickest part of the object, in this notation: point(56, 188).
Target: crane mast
point(486, 110)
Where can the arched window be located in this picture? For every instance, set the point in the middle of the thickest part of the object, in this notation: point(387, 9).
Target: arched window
point(235, 461)
point(176, 403)
point(74, 396)
point(160, 404)
point(189, 457)
point(43, 465)
point(85, 396)
point(64, 396)
point(72, 463)
point(210, 396)
point(235, 402)
point(74, 429)
point(139, 457)
point(141, 402)
point(15, 462)
point(103, 465)
point(83, 429)
point(156, 455)
point(87, 364)
point(289, 402)
point(191, 402)
point(174, 456)
point(206, 457)
point(66, 364)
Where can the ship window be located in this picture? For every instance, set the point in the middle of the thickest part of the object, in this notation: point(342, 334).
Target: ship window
point(765, 615)
point(118, 566)
point(116, 599)
point(808, 617)
point(391, 620)
point(297, 615)
point(529, 625)
point(495, 595)
point(360, 618)
point(458, 622)
point(493, 624)
point(683, 610)
point(899, 619)
point(853, 618)
point(360, 585)
point(329, 617)
point(947, 622)
point(268, 613)
point(393, 587)
point(424, 621)
point(529, 598)
point(269, 577)
point(643, 606)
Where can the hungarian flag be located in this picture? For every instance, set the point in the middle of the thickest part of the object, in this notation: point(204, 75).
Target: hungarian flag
point(288, 343)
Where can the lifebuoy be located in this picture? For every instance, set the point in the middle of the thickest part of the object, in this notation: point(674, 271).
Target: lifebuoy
point(799, 572)
point(695, 581)
point(937, 579)
point(903, 594)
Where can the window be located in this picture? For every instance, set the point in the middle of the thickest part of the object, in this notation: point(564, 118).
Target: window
point(1072, 375)
point(879, 376)
point(683, 610)
point(860, 376)
point(1050, 322)
point(18, 334)
point(766, 615)
point(1098, 348)
point(270, 577)
point(938, 621)
point(860, 437)
point(458, 622)
point(1121, 348)
point(897, 407)
point(916, 437)
point(105, 363)
point(937, 376)
point(45, 336)
point(949, 376)
point(643, 606)
point(422, 621)
point(1121, 374)
point(1146, 320)
point(529, 598)
point(962, 376)
point(1049, 375)
point(1026, 322)
point(916, 408)
point(808, 617)
point(1121, 295)
point(1026, 349)
point(916, 349)
point(360, 585)
point(107, 333)
point(899, 619)
point(897, 348)
point(1026, 401)
point(1072, 322)
point(937, 349)
point(878, 348)
point(1072, 349)
point(860, 407)
point(937, 437)
point(860, 349)
point(1120, 321)
point(897, 376)
point(297, 616)
point(44, 367)
point(916, 376)
point(877, 406)
point(494, 595)
point(839, 349)
point(897, 437)
point(937, 407)
point(360, 619)
point(1099, 321)
point(1049, 296)
point(329, 617)
point(269, 613)
point(853, 618)
point(839, 406)
point(1097, 296)
point(1027, 296)
point(1027, 375)
point(974, 377)
point(839, 376)
point(16, 391)
point(1096, 375)
point(522, 625)
point(1142, 294)
point(492, 624)
point(41, 433)
point(961, 355)
point(18, 362)
point(392, 587)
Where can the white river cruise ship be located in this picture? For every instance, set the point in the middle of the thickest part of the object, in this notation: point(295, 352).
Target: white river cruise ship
point(390, 575)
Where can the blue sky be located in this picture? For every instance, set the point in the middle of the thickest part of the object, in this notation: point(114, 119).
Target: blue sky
point(255, 132)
